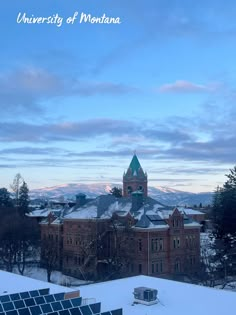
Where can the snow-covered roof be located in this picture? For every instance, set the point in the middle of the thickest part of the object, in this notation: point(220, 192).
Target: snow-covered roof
point(12, 283)
point(174, 297)
point(189, 211)
point(43, 213)
point(151, 214)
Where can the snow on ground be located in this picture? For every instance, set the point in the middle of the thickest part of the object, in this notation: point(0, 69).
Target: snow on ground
point(12, 283)
point(57, 277)
point(175, 297)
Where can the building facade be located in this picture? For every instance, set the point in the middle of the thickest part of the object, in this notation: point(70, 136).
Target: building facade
point(110, 237)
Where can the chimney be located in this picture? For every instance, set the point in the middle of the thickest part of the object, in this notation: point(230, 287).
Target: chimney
point(137, 200)
point(80, 199)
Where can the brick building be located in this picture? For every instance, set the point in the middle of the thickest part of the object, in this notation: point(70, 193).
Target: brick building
point(110, 237)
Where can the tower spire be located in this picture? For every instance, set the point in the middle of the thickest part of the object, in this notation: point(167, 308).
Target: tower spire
point(134, 179)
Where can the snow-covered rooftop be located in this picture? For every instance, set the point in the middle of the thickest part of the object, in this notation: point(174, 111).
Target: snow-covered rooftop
point(12, 283)
point(174, 297)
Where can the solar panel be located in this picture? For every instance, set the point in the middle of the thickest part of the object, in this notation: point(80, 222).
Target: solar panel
point(8, 306)
point(19, 304)
point(39, 300)
point(66, 304)
point(24, 311)
point(5, 298)
point(85, 310)
point(46, 308)
point(75, 311)
point(117, 312)
point(24, 295)
point(154, 217)
point(29, 302)
point(76, 301)
point(96, 308)
point(49, 298)
point(56, 306)
point(34, 293)
point(35, 310)
point(59, 296)
point(44, 291)
point(15, 296)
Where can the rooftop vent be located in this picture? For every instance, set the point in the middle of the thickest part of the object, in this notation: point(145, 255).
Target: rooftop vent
point(146, 296)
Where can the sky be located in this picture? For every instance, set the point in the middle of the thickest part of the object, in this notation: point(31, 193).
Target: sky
point(77, 100)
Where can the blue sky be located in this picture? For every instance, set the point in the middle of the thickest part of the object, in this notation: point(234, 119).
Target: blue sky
point(77, 100)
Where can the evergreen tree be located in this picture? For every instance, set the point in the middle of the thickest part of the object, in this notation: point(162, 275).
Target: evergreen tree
point(224, 207)
point(5, 199)
point(117, 192)
point(24, 198)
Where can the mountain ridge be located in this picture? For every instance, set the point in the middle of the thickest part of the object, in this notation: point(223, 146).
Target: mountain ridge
point(163, 194)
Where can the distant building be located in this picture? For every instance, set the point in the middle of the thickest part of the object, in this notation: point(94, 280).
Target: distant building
point(110, 237)
point(134, 179)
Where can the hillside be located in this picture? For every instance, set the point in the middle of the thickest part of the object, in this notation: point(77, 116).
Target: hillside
point(163, 194)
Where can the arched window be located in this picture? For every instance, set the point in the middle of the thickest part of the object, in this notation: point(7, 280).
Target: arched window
point(140, 188)
point(129, 190)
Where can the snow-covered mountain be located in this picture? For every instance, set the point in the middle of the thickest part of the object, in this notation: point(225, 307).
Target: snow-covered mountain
point(165, 195)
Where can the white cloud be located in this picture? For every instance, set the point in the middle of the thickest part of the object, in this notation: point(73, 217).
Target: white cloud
point(182, 86)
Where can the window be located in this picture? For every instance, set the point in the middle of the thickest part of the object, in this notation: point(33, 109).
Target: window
point(140, 268)
point(178, 242)
point(140, 188)
point(153, 268)
point(154, 244)
point(140, 245)
point(159, 267)
point(177, 265)
point(192, 260)
point(157, 244)
point(186, 241)
point(132, 267)
point(161, 244)
point(174, 242)
point(129, 190)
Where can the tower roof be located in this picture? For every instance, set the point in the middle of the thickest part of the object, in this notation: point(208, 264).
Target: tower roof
point(135, 165)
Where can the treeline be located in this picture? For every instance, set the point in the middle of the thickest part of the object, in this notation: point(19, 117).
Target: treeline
point(19, 234)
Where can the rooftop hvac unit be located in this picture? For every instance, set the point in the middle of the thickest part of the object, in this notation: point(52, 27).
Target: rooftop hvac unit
point(146, 296)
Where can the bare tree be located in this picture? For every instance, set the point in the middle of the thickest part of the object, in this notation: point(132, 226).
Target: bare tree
point(49, 256)
point(18, 236)
point(17, 182)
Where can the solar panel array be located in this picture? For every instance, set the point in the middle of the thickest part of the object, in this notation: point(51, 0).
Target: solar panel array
point(39, 302)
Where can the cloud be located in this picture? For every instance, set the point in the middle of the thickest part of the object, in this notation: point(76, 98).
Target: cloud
point(90, 129)
point(182, 86)
point(23, 91)
point(33, 151)
point(90, 88)
point(7, 166)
